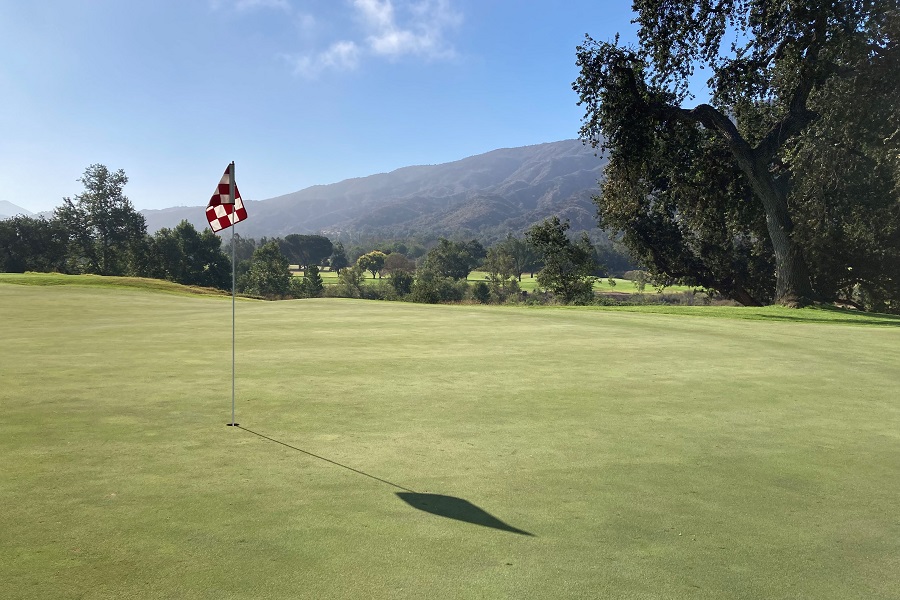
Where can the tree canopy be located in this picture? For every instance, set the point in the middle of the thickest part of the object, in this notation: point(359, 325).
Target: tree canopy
point(372, 262)
point(339, 260)
point(187, 256)
point(306, 250)
point(454, 259)
point(32, 244)
point(102, 222)
point(268, 275)
point(724, 193)
point(502, 269)
point(569, 267)
point(521, 254)
point(396, 262)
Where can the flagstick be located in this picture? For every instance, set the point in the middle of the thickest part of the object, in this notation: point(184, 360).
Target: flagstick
point(234, 205)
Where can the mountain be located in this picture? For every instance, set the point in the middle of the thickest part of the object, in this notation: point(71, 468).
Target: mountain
point(8, 210)
point(487, 196)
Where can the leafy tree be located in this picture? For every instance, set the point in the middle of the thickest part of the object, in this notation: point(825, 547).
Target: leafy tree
point(243, 247)
point(310, 285)
point(454, 259)
point(314, 282)
point(701, 225)
point(32, 244)
point(394, 247)
point(568, 267)
point(306, 250)
point(187, 256)
point(846, 186)
point(481, 292)
point(269, 275)
point(350, 282)
point(338, 260)
point(714, 183)
point(640, 281)
point(103, 224)
point(401, 281)
point(395, 262)
point(372, 262)
point(522, 255)
point(431, 287)
point(501, 272)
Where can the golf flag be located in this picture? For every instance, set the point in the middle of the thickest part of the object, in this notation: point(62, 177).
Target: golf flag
point(224, 210)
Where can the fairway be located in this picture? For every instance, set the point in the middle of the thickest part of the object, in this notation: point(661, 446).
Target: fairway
point(528, 283)
point(394, 450)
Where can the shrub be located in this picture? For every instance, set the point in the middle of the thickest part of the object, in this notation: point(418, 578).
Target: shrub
point(402, 282)
point(310, 286)
point(350, 281)
point(481, 292)
point(430, 288)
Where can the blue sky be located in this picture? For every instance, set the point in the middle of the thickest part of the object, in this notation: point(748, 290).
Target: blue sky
point(296, 92)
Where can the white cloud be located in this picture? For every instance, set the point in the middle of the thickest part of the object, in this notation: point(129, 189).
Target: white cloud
point(378, 14)
point(342, 56)
point(420, 32)
point(386, 28)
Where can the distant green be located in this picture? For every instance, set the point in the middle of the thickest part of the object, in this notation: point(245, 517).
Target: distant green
point(529, 283)
point(651, 452)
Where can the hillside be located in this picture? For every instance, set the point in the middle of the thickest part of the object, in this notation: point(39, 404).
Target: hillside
point(9, 210)
point(487, 195)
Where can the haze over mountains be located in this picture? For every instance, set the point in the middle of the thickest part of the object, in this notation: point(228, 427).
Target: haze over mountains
point(9, 210)
point(488, 196)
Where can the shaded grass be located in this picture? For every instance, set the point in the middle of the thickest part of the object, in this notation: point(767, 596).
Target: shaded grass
point(650, 455)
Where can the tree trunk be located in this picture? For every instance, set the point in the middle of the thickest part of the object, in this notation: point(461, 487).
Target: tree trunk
point(792, 285)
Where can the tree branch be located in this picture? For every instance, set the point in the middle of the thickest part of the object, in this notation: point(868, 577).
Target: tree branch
point(798, 115)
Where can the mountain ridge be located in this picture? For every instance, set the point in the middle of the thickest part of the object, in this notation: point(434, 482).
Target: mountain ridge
point(9, 210)
point(486, 195)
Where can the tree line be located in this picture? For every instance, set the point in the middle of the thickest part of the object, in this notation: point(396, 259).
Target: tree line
point(565, 268)
point(99, 232)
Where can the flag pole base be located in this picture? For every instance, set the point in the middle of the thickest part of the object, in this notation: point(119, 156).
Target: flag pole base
point(232, 424)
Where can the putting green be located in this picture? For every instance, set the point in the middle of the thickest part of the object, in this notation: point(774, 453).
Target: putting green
point(393, 450)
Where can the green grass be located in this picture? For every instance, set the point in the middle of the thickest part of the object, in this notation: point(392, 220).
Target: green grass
point(529, 283)
point(139, 283)
point(691, 453)
point(623, 286)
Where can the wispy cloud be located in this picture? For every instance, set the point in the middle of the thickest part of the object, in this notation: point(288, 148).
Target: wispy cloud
point(342, 56)
point(385, 29)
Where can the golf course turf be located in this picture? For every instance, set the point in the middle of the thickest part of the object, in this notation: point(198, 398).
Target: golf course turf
point(395, 450)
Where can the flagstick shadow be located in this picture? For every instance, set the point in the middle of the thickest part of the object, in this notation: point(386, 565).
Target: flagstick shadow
point(436, 504)
point(265, 437)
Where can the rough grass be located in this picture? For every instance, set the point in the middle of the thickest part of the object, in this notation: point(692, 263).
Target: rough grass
point(664, 455)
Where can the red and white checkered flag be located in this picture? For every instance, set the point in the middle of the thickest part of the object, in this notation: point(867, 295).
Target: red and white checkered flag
point(224, 211)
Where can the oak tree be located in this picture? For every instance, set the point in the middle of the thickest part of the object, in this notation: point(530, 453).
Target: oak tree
point(713, 192)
